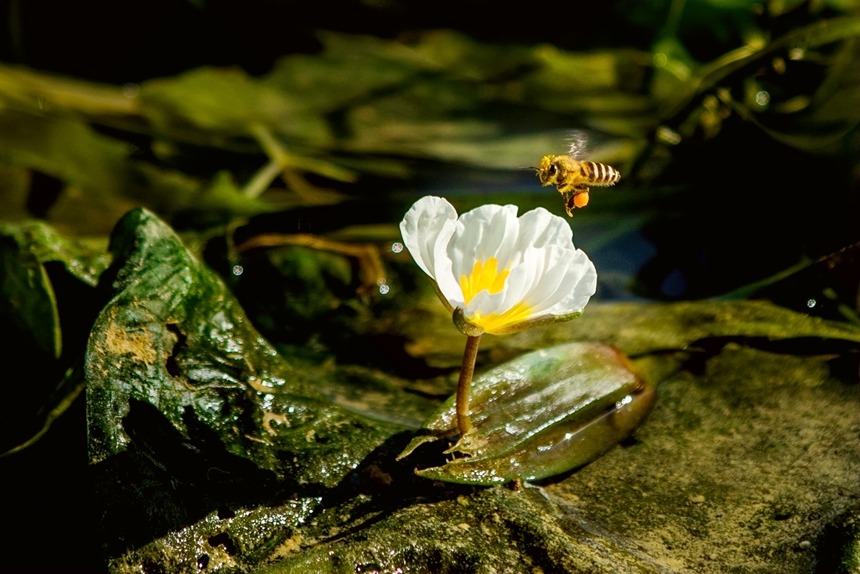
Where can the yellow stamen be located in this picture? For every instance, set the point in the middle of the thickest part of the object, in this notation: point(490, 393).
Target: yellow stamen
point(485, 275)
point(494, 321)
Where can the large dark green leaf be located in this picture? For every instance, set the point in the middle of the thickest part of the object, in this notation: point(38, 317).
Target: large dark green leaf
point(181, 387)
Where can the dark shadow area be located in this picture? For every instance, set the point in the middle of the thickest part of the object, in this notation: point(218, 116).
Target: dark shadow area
point(166, 480)
point(391, 484)
point(46, 500)
point(846, 353)
point(140, 40)
point(837, 543)
point(748, 208)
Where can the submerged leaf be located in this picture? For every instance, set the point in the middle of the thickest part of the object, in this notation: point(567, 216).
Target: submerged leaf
point(540, 415)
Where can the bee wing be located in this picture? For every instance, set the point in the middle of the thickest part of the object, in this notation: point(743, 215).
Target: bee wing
point(577, 144)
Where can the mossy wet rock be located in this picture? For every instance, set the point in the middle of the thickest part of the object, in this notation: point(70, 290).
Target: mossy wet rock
point(748, 463)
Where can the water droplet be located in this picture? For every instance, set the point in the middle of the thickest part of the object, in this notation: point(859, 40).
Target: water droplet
point(130, 90)
point(625, 401)
point(762, 98)
point(668, 135)
point(396, 247)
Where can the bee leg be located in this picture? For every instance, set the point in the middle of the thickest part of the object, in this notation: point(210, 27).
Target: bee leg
point(569, 203)
point(565, 189)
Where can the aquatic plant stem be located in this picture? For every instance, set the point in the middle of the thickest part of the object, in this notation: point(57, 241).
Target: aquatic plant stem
point(467, 369)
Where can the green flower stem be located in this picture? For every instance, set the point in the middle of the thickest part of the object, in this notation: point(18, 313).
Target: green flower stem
point(467, 369)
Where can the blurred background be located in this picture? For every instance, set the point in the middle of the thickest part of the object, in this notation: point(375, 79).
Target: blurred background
point(733, 123)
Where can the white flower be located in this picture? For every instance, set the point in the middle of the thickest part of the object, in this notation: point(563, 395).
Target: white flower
point(499, 273)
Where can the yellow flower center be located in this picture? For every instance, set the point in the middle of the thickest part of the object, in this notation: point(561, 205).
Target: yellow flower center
point(486, 275)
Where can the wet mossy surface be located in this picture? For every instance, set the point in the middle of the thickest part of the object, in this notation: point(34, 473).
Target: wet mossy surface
point(211, 451)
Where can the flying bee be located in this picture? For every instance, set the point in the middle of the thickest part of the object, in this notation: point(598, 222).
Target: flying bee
point(572, 177)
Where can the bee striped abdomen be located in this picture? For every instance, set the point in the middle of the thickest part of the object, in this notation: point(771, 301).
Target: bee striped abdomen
point(572, 178)
point(598, 173)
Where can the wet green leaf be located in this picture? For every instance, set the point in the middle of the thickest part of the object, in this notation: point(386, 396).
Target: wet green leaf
point(173, 336)
point(541, 414)
point(180, 382)
point(28, 294)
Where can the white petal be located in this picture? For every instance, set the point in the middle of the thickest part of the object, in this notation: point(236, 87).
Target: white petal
point(524, 277)
point(579, 284)
point(448, 283)
point(483, 232)
point(427, 228)
point(540, 228)
point(550, 266)
point(485, 303)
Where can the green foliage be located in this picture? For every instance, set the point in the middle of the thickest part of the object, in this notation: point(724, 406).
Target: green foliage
point(438, 96)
